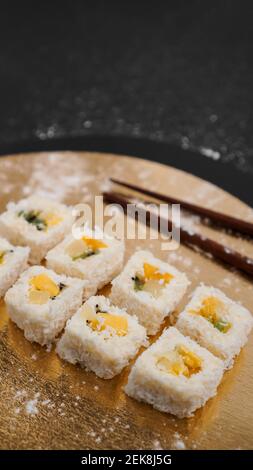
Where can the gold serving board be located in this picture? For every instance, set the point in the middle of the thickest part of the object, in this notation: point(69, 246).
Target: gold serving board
point(49, 404)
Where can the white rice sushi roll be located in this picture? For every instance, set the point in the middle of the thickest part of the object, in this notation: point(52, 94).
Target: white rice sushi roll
point(149, 288)
point(101, 337)
point(216, 322)
point(36, 222)
point(97, 260)
point(13, 261)
point(175, 375)
point(41, 302)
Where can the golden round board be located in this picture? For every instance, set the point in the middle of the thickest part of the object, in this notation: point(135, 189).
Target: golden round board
point(49, 404)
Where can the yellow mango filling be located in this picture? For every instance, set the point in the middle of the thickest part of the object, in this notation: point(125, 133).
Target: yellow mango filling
point(94, 244)
point(152, 273)
point(152, 281)
point(81, 249)
point(51, 219)
point(2, 254)
point(212, 309)
point(42, 289)
point(40, 219)
point(105, 321)
point(180, 361)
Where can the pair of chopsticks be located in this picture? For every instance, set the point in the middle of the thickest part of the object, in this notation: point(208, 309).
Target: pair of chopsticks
point(192, 239)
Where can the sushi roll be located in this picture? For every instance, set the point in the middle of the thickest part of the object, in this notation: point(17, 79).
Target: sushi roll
point(175, 375)
point(96, 259)
point(101, 337)
point(13, 261)
point(41, 302)
point(148, 288)
point(36, 222)
point(216, 322)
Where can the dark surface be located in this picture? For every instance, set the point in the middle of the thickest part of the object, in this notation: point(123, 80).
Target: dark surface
point(175, 76)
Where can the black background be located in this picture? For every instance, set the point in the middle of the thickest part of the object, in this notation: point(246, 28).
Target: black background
point(161, 80)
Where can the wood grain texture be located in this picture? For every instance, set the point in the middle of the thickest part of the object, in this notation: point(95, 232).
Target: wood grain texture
point(75, 409)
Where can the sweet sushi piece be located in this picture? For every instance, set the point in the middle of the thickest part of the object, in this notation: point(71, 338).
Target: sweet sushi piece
point(148, 288)
point(13, 261)
point(97, 258)
point(216, 322)
point(175, 375)
point(36, 222)
point(101, 337)
point(41, 302)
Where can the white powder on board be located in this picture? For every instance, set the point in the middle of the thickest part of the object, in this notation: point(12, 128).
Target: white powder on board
point(176, 257)
point(178, 442)
point(20, 394)
point(45, 402)
point(145, 174)
point(31, 407)
point(189, 221)
point(58, 177)
point(157, 445)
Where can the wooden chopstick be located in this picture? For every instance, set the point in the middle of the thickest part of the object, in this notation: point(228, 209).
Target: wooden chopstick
point(189, 238)
point(223, 220)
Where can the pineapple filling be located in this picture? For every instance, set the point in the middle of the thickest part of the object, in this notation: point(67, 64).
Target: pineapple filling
point(180, 361)
point(43, 289)
point(152, 280)
point(104, 321)
point(2, 255)
point(213, 309)
point(40, 219)
point(81, 249)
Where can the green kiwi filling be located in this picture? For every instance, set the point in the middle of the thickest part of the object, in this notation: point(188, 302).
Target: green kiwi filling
point(33, 218)
point(138, 283)
point(85, 254)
